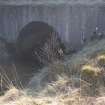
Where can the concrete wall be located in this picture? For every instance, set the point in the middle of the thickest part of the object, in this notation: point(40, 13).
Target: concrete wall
point(70, 21)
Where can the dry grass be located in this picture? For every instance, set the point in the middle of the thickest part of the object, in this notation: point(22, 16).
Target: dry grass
point(101, 60)
point(56, 85)
point(84, 56)
point(18, 97)
point(90, 71)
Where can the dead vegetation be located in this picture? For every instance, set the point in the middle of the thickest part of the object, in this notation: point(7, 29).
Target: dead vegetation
point(78, 81)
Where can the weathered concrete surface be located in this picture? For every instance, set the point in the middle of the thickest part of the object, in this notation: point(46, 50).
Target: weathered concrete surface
point(38, 41)
point(69, 20)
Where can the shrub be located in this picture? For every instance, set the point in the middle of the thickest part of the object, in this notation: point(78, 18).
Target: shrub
point(101, 60)
point(92, 77)
point(88, 70)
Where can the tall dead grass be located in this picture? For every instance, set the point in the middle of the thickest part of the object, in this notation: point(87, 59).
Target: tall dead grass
point(56, 85)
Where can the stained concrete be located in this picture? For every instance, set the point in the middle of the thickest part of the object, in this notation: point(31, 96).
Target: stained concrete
point(70, 20)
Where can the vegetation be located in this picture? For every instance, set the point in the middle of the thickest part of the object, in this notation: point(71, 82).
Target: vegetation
point(79, 80)
point(101, 60)
point(88, 70)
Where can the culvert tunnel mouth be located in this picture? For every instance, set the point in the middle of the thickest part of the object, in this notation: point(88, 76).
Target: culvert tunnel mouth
point(32, 38)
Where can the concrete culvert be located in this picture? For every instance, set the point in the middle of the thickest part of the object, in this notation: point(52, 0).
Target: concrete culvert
point(5, 55)
point(38, 42)
point(37, 45)
point(8, 75)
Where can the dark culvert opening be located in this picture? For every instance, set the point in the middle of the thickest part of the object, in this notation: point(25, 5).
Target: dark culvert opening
point(32, 39)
